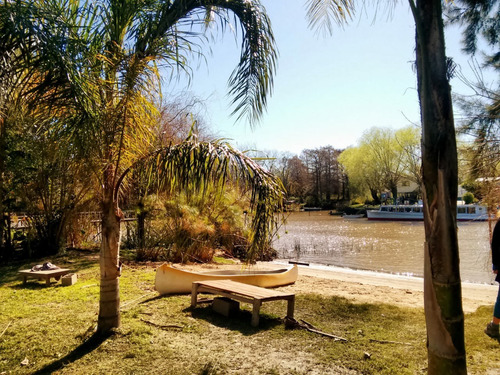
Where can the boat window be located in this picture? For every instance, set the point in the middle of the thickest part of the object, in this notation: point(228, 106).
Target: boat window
point(408, 209)
point(383, 209)
point(461, 210)
point(472, 210)
point(416, 209)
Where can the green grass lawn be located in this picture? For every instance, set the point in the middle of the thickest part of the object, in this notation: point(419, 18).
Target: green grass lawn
point(49, 330)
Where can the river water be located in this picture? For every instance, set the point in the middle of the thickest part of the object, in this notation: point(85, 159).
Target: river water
point(381, 246)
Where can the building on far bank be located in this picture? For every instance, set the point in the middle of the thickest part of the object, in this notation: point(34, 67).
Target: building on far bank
point(408, 192)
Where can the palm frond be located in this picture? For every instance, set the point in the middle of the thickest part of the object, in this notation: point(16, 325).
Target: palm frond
point(252, 80)
point(325, 14)
point(193, 166)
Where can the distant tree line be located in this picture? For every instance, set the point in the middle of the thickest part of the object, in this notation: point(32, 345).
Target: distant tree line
point(328, 177)
point(315, 178)
point(382, 160)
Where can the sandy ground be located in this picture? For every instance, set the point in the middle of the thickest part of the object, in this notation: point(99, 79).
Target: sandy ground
point(356, 286)
point(368, 287)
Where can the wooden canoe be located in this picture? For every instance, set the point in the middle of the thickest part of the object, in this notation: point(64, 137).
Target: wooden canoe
point(170, 280)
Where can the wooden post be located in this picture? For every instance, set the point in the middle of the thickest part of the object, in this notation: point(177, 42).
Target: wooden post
point(290, 307)
point(255, 312)
point(194, 294)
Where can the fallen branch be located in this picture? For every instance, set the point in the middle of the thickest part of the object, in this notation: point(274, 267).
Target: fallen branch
point(166, 326)
point(390, 342)
point(5, 329)
point(336, 338)
point(294, 324)
point(308, 324)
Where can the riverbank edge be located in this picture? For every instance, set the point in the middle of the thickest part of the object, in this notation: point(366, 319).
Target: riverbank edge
point(395, 289)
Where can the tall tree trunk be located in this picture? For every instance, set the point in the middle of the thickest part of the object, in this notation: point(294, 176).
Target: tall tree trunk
point(394, 192)
point(109, 301)
point(2, 187)
point(141, 226)
point(442, 289)
point(375, 197)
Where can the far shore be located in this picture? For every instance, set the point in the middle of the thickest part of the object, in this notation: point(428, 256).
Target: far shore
point(368, 286)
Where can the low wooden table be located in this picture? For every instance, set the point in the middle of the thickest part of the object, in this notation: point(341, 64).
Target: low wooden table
point(243, 293)
point(40, 275)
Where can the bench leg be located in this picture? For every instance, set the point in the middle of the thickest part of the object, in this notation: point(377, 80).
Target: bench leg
point(47, 281)
point(290, 307)
point(255, 313)
point(25, 279)
point(194, 294)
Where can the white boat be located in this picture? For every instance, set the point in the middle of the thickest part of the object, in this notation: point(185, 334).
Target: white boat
point(171, 280)
point(311, 209)
point(353, 216)
point(404, 212)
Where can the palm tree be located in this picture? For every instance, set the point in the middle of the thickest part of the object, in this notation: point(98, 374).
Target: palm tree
point(482, 110)
point(100, 64)
point(442, 288)
point(11, 83)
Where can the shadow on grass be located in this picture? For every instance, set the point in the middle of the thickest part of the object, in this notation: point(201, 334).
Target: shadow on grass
point(155, 298)
point(240, 322)
point(8, 274)
point(35, 284)
point(85, 348)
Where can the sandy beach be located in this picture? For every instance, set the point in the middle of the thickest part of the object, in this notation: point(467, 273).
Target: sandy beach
point(368, 287)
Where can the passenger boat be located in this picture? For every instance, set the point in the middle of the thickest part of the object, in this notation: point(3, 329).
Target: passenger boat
point(171, 280)
point(403, 212)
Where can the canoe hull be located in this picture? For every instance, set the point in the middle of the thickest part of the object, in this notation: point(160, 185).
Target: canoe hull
point(170, 280)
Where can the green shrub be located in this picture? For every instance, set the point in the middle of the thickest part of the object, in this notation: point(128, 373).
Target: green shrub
point(192, 228)
point(468, 198)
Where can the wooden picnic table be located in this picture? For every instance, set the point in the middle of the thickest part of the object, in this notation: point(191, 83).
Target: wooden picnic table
point(244, 293)
point(40, 275)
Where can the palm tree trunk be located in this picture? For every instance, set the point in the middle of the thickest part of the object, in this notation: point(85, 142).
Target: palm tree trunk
point(109, 301)
point(2, 187)
point(442, 288)
point(141, 226)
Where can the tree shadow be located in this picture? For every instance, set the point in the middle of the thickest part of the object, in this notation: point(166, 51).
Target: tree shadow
point(8, 273)
point(155, 298)
point(88, 346)
point(240, 321)
point(33, 284)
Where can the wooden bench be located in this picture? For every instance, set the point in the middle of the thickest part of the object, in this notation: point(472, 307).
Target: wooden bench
point(244, 293)
point(40, 275)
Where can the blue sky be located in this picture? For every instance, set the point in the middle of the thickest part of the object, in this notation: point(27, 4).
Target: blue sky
point(328, 89)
